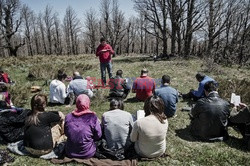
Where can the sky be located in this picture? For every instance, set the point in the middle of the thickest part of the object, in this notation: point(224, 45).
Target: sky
point(80, 6)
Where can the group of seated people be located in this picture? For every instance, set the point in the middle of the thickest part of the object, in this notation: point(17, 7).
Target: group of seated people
point(81, 128)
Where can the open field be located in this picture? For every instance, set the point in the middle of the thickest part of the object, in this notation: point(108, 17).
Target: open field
point(182, 148)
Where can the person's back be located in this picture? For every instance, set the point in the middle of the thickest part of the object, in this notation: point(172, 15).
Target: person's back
point(149, 133)
point(151, 136)
point(80, 135)
point(79, 86)
point(37, 134)
point(82, 129)
point(169, 95)
point(118, 86)
point(57, 92)
point(210, 117)
point(143, 86)
point(117, 125)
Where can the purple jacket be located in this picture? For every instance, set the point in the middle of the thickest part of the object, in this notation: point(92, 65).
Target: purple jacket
point(82, 132)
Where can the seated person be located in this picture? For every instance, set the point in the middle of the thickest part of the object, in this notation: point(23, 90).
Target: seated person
point(4, 77)
point(5, 100)
point(240, 117)
point(38, 138)
point(209, 116)
point(169, 96)
point(117, 125)
point(149, 133)
point(197, 94)
point(143, 86)
point(118, 86)
point(78, 86)
point(57, 89)
point(82, 129)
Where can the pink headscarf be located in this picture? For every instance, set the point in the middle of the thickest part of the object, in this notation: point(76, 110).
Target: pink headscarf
point(82, 106)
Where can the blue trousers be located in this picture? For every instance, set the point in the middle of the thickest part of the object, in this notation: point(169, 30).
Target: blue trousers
point(103, 67)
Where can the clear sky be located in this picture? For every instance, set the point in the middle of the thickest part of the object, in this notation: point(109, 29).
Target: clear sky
point(80, 6)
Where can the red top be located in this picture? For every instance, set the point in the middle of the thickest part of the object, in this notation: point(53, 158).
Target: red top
point(104, 53)
point(4, 78)
point(144, 87)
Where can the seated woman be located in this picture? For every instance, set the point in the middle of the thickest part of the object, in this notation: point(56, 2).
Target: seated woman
point(38, 138)
point(117, 125)
point(82, 129)
point(149, 133)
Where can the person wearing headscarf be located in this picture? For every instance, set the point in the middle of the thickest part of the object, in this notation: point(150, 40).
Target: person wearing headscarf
point(82, 129)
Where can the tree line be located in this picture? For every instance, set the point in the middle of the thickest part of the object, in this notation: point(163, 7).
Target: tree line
point(216, 29)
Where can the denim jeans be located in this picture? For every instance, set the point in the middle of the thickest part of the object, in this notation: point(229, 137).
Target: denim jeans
point(103, 67)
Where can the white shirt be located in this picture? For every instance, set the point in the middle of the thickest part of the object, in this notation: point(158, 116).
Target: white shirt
point(57, 92)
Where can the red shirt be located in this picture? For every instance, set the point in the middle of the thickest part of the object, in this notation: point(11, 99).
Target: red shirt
point(104, 57)
point(4, 78)
point(144, 87)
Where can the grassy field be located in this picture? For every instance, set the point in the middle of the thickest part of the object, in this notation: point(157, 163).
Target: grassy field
point(182, 148)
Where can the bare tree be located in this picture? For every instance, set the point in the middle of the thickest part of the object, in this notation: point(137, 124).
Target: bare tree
point(71, 29)
point(48, 20)
point(155, 11)
point(27, 15)
point(10, 24)
point(91, 24)
point(57, 35)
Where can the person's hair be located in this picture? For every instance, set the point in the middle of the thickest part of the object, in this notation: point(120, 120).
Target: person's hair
point(76, 73)
point(119, 73)
point(38, 104)
point(3, 87)
point(200, 76)
point(61, 76)
point(116, 104)
point(210, 86)
point(165, 79)
point(144, 71)
point(155, 105)
point(102, 39)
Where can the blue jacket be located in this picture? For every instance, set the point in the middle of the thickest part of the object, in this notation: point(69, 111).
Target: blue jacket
point(200, 91)
point(170, 97)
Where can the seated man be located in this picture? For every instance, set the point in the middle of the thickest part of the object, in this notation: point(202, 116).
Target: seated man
point(118, 86)
point(240, 117)
point(169, 95)
point(209, 116)
point(197, 94)
point(78, 86)
point(57, 89)
point(143, 86)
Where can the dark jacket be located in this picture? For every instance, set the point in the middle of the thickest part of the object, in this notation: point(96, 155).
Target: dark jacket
point(12, 126)
point(209, 117)
point(118, 87)
point(241, 119)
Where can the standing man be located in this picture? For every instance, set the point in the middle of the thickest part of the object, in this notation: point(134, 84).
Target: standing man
point(104, 52)
point(169, 96)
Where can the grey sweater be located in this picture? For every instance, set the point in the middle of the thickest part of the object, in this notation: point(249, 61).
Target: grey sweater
point(117, 125)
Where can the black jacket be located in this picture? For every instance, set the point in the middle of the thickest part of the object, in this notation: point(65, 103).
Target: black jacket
point(12, 126)
point(209, 117)
point(118, 87)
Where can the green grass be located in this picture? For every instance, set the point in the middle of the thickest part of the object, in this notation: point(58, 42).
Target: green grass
point(182, 148)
